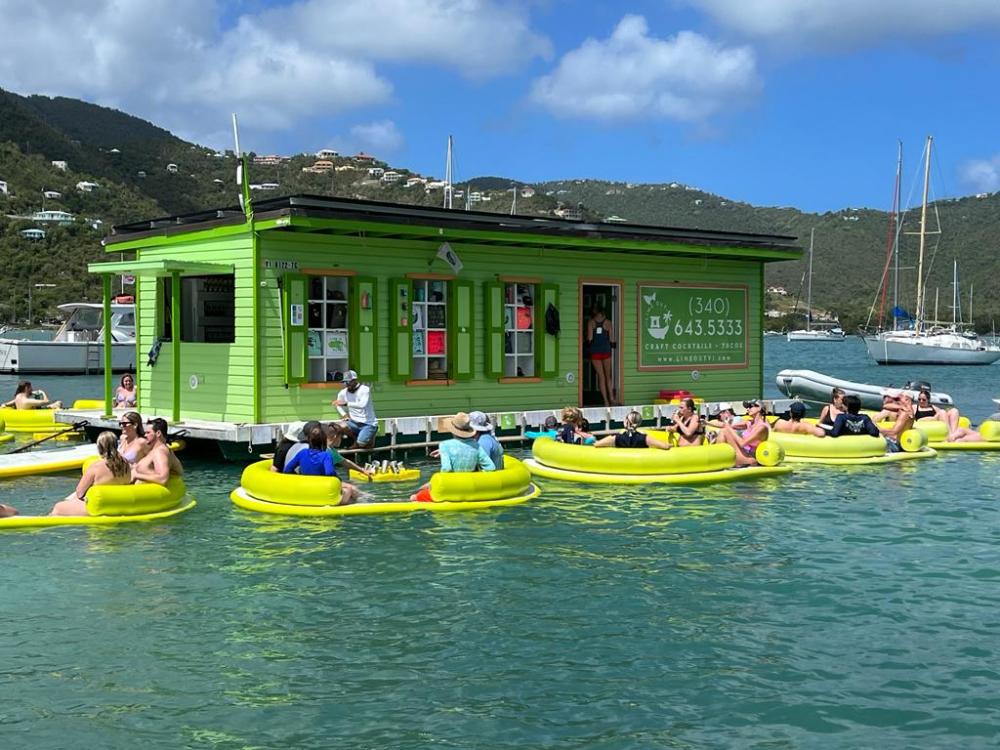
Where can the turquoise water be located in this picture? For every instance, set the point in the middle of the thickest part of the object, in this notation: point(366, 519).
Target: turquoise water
point(828, 609)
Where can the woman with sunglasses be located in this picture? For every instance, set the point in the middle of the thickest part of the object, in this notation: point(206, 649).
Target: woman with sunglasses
point(745, 441)
point(133, 444)
point(924, 409)
point(125, 393)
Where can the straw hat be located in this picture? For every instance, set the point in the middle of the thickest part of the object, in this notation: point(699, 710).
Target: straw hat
point(459, 426)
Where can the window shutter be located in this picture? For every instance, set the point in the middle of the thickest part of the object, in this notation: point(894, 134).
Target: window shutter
point(460, 352)
point(363, 344)
point(494, 329)
point(400, 329)
point(294, 291)
point(546, 346)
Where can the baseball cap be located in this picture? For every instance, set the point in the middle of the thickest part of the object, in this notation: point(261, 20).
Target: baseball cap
point(725, 406)
point(350, 376)
point(797, 408)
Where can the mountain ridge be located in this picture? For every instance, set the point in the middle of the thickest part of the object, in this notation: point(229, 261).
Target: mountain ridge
point(143, 171)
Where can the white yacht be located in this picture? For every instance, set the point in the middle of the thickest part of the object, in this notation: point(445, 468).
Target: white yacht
point(77, 348)
point(825, 332)
point(928, 342)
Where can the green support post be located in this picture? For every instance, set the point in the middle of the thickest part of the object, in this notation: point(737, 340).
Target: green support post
point(108, 382)
point(175, 336)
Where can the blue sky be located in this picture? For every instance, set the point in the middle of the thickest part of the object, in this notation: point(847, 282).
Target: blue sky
point(773, 102)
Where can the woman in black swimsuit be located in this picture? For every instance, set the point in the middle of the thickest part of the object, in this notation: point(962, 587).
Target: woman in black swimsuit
point(832, 410)
point(924, 409)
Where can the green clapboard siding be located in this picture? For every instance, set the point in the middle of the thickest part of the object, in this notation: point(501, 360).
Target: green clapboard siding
point(222, 374)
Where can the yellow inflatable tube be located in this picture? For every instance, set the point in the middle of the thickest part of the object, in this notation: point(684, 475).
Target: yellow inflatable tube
point(404, 475)
point(28, 420)
point(113, 504)
point(265, 491)
point(134, 499)
point(513, 480)
point(289, 489)
point(847, 446)
point(241, 499)
point(990, 430)
point(633, 461)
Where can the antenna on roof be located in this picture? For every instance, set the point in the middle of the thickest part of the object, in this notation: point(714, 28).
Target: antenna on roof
point(242, 174)
point(448, 189)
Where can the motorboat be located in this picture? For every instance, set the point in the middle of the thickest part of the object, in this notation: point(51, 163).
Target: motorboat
point(77, 348)
point(815, 386)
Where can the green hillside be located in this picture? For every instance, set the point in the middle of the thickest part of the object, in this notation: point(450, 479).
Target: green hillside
point(128, 159)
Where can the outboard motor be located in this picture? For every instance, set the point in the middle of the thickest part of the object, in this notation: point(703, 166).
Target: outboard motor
point(917, 385)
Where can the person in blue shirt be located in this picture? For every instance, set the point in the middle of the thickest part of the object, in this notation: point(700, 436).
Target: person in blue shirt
point(461, 453)
point(314, 461)
point(485, 437)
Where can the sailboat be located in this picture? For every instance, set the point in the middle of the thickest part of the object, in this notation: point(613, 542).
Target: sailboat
point(820, 333)
point(927, 342)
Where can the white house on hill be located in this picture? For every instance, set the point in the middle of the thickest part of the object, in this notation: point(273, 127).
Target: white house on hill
point(86, 187)
point(3, 187)
point(59, 164)
point(327, 153)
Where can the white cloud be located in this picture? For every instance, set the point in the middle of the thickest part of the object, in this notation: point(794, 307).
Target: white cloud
point(981, 175)
point(379, 138)
point(476, 37)
point(849, 23)
point(633, 76)
point(172, 62)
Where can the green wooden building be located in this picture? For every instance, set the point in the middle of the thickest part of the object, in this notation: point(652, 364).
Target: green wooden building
point(253, 322)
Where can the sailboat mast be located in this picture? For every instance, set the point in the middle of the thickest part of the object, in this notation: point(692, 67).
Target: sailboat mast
point(954, 294)
point(809, 285)
point(448, 189)
point(895, 238)
point(923, 236)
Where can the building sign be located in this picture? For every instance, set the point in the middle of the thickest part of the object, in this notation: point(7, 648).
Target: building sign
point(282, 265)
point(688, 327)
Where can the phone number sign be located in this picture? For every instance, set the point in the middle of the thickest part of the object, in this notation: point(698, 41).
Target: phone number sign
point(684, 327)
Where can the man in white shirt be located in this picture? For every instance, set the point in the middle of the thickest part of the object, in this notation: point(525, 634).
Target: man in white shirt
point(361, 419)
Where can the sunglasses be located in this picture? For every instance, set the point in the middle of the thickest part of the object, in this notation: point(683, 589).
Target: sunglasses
point(127, 424)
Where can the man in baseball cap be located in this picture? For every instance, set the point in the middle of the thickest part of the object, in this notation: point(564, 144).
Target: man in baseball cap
point(355, 403)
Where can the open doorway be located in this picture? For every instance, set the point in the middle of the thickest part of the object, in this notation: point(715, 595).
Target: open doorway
point(600, 356)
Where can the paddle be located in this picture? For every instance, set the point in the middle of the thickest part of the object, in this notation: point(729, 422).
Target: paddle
point(72, 428)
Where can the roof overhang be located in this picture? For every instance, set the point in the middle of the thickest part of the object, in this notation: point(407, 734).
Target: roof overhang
point(160, 267)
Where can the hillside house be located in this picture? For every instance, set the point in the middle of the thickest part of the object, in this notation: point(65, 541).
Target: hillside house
point(411, 181)
point(327, 153)
point(375, 173)
point(364, 158)
point(270, 185)
point(53, 194)
point(527, 192)
point(33, 234)
point(268, 161)
point(3, 187)
point(172, 168)
point(345, 168)
point(475, 196)
point(391, 176)
point(323, 165)
point(141, 173)
point(86, 187)
point(59, 164)
point(53, 217)
point(435, 185)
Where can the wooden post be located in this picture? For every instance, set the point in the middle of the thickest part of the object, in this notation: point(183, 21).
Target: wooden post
point(175, 336)
point(108, 380)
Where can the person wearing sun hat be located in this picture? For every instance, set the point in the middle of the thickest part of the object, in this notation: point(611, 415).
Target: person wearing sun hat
point(292, 441)
point(360, 417)
point(460, 453)
point(485, 437)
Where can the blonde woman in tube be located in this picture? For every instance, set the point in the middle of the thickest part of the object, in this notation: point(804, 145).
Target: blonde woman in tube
point(112, 468)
